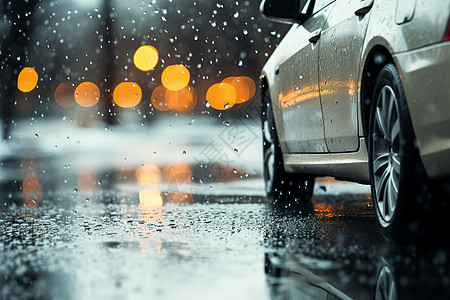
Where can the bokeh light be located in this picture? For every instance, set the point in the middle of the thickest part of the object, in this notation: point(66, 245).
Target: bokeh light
point(158, 99)
point(245, 87)
point(182, 101)
point(87, 94)
point(32, 192)
point(148, 175)
point(27, 80)
point(221, 96)
point(180, 197)
point(64, 94)
point(150, 198)
point(175, 77)
point(145, 58)
point(177, 174)
point(127, 94)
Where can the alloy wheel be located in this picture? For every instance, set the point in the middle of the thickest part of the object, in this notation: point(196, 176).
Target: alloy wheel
point(386, 153)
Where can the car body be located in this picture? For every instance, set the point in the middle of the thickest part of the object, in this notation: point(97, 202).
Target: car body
point(322, 77)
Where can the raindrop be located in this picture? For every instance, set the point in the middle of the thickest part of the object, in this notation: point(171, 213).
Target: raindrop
point(235, 171)
point(184, 152)
point(36, 135)
point(236, 150)
point(227, 105)
point(207, 104)
point(226, 123)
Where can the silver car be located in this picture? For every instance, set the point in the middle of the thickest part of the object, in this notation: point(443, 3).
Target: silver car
point(360, 90)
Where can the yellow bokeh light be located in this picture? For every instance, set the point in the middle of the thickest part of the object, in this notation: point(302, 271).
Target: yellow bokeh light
point(175, 77)
point(148, 175)
point(145, 58)
point(159, 101)
point(87, 94)
point(127, 94)
point(64, 94)
point(182, 101)
point(150, 198)
point(221, 96)
point(27, 80)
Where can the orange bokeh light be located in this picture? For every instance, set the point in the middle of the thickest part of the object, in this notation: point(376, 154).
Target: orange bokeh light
point(127, 94)
point(180, 197)
point(148, 175)
point(245, 87)
point(32, 192)
point(64, 94)
point(221, 96)
point(27, 80)
point(87, 94)
point(158, 99)
point(175, 77)
point(182, 101)
point(145, 58)
point(177, 174)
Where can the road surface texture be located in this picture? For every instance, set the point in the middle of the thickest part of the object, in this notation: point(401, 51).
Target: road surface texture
point(176, 209)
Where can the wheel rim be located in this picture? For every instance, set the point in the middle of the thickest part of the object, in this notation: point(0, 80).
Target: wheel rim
point(386, 153)
point(269, 155)
point(385, 288)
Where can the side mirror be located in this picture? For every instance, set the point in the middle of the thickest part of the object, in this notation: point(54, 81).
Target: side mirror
point(287, 11)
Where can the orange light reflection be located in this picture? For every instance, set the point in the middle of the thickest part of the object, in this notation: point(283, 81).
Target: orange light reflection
point(87, 94)
point(127, 94)
point(64, 94)
point(221, 96)
point(27, 80)
point(182, 101)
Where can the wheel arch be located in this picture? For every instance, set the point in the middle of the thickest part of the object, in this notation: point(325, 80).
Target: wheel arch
point(377, 58)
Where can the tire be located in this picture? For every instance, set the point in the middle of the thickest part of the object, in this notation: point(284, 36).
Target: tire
point(281, 187)
point(400, 187)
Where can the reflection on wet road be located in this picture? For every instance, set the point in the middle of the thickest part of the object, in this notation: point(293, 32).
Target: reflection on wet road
point(178, 211)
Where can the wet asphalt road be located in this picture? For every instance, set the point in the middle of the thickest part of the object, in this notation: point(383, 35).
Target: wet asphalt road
point(176, 210)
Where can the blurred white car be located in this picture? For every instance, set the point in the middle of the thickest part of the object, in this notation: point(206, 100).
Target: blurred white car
point(360, 90)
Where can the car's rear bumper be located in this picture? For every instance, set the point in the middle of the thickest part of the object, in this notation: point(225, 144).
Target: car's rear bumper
point(425, 76)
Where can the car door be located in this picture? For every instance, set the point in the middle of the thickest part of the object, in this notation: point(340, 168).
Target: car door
point(301, 128)
point(339, 64)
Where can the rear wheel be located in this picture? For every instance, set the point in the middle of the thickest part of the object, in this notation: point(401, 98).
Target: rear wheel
point(401, 190)
point(281, 187)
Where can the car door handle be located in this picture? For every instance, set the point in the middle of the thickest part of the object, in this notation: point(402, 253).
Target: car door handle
point(363, 7)
point(315, 36)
